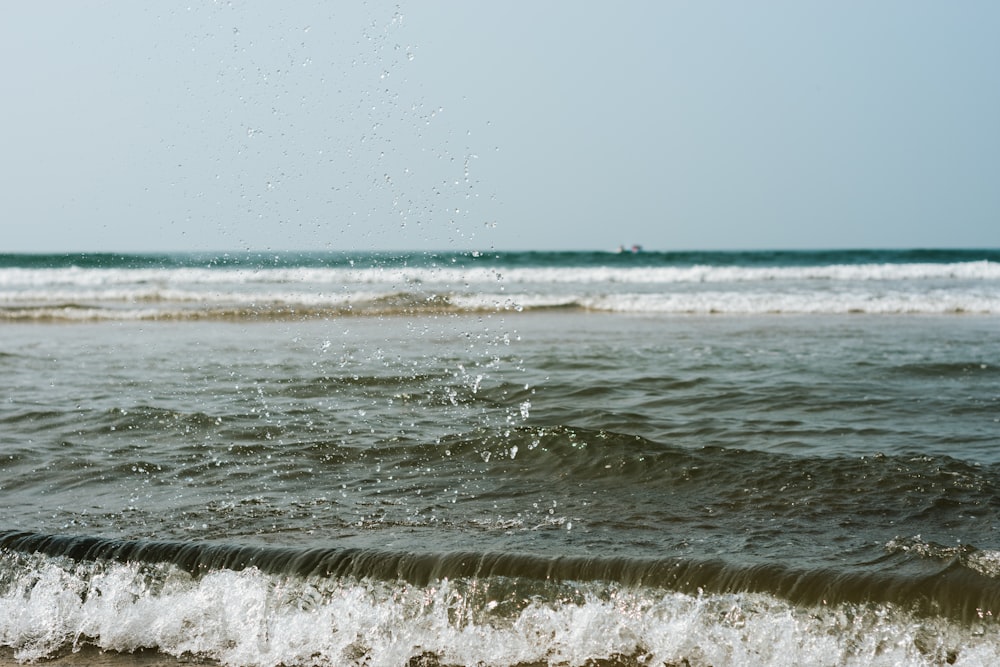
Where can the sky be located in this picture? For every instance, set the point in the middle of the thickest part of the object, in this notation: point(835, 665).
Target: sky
point(565, 124)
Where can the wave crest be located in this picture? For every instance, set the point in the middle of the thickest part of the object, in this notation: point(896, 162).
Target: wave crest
point(253, 617)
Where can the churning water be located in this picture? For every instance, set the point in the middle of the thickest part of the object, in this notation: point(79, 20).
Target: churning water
point(501, 459)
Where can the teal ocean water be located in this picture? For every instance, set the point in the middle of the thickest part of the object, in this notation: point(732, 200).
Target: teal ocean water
point(763, 458)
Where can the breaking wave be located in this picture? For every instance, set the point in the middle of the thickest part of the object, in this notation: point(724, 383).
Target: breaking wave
point(272, 606)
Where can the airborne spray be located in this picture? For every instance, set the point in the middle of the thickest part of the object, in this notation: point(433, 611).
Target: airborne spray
point(315, 438)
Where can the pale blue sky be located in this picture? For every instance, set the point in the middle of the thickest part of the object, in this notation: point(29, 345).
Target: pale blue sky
point(543, 125)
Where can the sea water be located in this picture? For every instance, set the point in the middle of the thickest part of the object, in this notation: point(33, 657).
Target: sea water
point(501, 458)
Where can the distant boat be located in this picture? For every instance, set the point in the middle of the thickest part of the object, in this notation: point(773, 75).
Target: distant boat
point(636, 248)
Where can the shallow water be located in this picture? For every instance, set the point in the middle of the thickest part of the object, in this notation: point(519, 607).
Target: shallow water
point(505, 487)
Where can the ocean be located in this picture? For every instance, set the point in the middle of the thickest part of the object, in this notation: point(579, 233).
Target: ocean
point(501, 458)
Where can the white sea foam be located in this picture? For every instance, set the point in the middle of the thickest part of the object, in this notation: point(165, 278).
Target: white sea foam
point(143, 294)
point(982, 270)
point(249, 618)
point(749, 303)
point(967, 287)
point(22, 277)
